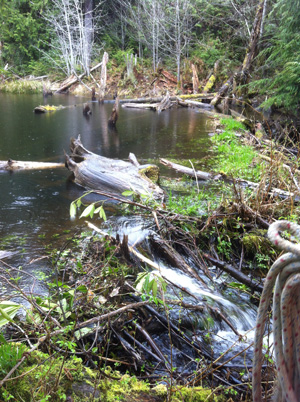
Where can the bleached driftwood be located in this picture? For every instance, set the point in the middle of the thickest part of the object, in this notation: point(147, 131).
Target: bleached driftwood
point(27, 165)
point(96, 172)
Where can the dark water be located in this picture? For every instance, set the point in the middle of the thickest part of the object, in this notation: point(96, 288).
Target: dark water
point(35, 204)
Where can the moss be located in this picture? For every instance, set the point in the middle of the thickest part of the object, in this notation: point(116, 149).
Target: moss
point(187, 394)
point(41, 382)
point(255, 241)
point(42, 377)
point(150, 171)
point(210, 83)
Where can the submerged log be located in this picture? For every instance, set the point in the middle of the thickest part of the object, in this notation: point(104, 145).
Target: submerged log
point(24, 165)
point(47, 108)
point(97, 172)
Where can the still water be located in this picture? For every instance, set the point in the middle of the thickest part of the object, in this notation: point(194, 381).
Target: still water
point(34, 205)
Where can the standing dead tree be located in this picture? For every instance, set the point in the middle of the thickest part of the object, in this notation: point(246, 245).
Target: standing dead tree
point(103, 77)
point(237, 82)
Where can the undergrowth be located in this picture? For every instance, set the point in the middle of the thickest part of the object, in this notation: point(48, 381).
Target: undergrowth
point(234, 158)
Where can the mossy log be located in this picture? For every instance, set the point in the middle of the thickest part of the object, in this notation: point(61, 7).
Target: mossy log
point(47, 108)
point(95, 172)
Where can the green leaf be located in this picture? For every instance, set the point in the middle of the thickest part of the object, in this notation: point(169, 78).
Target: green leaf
point(8, 310)
point(89, 211)
point(102, 214)
point(127, 193)
point(154, 289)
point(72, 210)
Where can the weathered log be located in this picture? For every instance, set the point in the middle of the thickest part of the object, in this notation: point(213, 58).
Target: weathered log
point(188, 171)
point(200, 105)
point(222, 92)
point(165, 103)
point(277, 192)
point(72, 80)
point(152, 106)
point(96, 172)
point(20, 165)
point(235, 273)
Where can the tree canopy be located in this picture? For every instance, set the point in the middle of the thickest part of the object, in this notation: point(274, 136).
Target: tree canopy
point(39, 36)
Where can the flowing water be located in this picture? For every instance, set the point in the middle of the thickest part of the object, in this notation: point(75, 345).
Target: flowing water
point(34, 207)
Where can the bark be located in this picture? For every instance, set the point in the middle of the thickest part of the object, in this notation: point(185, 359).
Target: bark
point(96, 172)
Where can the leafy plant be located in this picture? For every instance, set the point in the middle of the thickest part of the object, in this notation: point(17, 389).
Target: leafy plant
point(150, 284)
point(8, 310)
point(10, 354)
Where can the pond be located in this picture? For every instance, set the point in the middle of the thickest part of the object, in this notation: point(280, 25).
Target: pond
point(35, 203)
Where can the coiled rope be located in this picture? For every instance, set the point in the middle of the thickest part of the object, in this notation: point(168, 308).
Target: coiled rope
point(285, 276)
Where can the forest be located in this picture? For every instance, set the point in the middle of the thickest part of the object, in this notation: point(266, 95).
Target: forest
point(158, 276)
point(59, 38)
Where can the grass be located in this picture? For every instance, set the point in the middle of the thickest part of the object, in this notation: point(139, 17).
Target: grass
point(234, 158)
point(22, 87)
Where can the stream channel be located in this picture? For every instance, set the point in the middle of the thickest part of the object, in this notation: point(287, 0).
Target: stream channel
point(35, 203)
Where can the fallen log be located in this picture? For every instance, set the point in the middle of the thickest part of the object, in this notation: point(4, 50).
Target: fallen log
point(188, 171)
point(152, 106)
point(26, 165)
point(200, 105)
point(164, 104)
point(96, 172)
point(277, 192)
point(72, 80)
point(235, 273)
point(156, 99)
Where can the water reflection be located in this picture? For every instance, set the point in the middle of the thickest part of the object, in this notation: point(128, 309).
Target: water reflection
point(35, 204)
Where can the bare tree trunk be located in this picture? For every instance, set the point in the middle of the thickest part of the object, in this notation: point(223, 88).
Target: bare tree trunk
point(195, 80)
point(103, 77)
point(88, 28)
point(242, 77)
